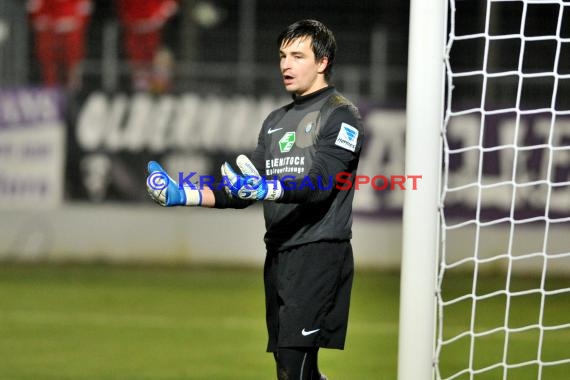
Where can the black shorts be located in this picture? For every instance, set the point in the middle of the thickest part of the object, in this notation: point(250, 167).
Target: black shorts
point(307, 295)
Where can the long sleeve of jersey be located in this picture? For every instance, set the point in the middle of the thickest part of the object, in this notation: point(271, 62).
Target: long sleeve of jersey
point(223, 200)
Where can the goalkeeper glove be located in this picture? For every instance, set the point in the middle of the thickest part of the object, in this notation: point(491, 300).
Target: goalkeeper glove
point(250, 185)
point(166, 192)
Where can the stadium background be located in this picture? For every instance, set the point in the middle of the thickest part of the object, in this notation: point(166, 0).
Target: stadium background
point(86, 169)
point(226, 79)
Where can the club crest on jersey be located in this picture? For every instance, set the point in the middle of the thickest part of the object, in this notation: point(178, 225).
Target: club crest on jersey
point(309, 127)
point(347, 137)
point(286, 142)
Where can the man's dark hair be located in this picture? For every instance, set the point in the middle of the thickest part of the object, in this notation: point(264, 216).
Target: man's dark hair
point(323, 41)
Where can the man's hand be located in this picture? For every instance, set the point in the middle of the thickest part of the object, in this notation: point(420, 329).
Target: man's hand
point(166, 192)
point(250, 185)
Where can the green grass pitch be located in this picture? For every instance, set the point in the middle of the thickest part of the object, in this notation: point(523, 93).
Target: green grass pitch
point(107, 322)
point(98, 322)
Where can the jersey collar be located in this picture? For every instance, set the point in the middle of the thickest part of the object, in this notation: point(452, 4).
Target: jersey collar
point(305, 99)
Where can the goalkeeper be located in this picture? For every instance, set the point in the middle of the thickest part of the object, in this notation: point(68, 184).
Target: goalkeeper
point(301, 147)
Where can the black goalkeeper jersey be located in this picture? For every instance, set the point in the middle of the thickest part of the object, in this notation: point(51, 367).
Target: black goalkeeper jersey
point(307, 144)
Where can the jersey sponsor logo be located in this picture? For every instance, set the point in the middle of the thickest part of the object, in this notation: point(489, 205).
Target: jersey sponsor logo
point(294, 164)
point(286, 142)
point(270, 131)
point(347, 137)
point(306, 333)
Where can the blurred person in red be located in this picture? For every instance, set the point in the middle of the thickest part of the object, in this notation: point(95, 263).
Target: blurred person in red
point(59, 37)
point(143, 22)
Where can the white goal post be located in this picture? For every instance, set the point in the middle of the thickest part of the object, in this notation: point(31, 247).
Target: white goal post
point(420, 215)
point(488, 128)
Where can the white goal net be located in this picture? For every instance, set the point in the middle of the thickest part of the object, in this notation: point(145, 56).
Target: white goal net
point(503, 290)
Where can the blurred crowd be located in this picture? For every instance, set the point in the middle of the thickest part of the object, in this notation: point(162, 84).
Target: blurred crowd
point(60, 29)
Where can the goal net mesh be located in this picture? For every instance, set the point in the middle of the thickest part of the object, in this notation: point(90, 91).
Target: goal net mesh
point(503, 290)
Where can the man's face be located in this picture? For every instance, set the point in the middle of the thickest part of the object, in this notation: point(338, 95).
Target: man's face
point(302, 74)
